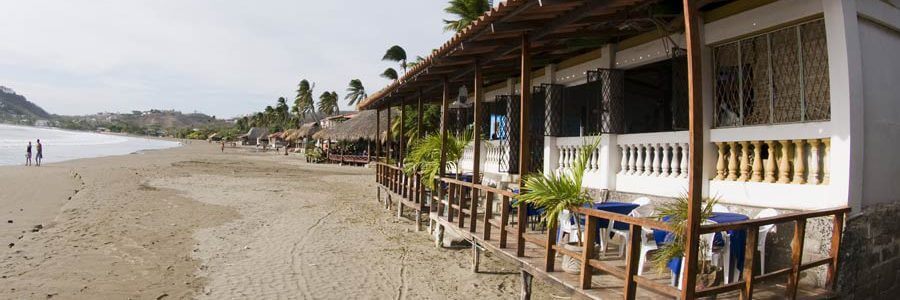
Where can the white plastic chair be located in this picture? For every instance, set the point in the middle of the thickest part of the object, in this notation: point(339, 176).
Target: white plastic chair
point(637, 213)
point(761, 238)
point(719, 259)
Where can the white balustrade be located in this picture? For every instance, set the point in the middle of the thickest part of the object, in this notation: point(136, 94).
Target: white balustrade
point(569, 148)
point(661, 154)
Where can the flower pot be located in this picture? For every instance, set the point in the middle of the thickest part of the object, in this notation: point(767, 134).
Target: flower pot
point(571, 265)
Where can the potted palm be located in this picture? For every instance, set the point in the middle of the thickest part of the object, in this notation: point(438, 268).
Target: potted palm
point(675, 214)
point(555, 193)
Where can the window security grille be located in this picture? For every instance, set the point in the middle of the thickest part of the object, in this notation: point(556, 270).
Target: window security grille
point(776, 77)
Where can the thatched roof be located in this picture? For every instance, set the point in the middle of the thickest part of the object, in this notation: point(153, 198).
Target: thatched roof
point(255, 133)
point(308, 129)
point(362, 126)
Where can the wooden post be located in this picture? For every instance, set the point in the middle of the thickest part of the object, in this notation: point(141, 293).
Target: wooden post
point(550, 254)
point(488, 215)
point(521, 224)
point(419, 116)
point(476, 257)
point(749, 257)
point(445, 107)
point(524, 103)
point(695, 156)
point(504, 220)
point(632, 261)
point(402, 139)
point(796, 258)
point(526, 285)
point(590, 235)
point(476, 147)
point(378, 134)
point(451, 193)
point(389, 144)
point(836, 232)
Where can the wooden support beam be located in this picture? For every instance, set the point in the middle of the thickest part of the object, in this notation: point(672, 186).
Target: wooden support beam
point(749, 257)
point(488, 215)
point(419, 115)
point(836, 232)
point(796, 259)
point(378, 134)
point(695, 151)
point(550, 255)
point(526, 285)
point(402, 138)
point(389, 144)
point(632, 260)
point(590, 236)
point(504, 220)
point(524, 105)
point(445, 107)
point(522, 219)
point(476, 146)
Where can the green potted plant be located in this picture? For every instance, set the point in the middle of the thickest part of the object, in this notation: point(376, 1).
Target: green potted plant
point(555, 193)
point(675, 214)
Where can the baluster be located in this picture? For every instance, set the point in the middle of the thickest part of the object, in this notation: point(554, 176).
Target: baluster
point(720, 162)
point(595, 159)
point(799, 164)
point(639, 163)
point(673, 166)
point(757, 161)
point(770, 163)
point(784, 163)
point(826, 165)
point(745, 161)
point(632, 159)
point(648, 160)
point(685, 148)
point(623, 167)
point(813, 161)
point(732, 162)
point(562, 157)
point(664, 165)
point(656, 159)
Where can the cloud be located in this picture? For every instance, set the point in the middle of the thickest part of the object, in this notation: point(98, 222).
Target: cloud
point(220, 57)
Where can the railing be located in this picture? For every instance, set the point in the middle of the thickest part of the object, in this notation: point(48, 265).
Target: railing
point(798, 161)
point(409, 189)
point(494, 158)
point(661, 154)
point(569, 148)
point(461, 200)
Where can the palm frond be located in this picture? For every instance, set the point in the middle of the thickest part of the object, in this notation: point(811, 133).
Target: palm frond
point(390, 73)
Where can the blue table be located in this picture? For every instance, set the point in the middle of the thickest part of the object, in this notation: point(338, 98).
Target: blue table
point(622, 208)
point(738, 239)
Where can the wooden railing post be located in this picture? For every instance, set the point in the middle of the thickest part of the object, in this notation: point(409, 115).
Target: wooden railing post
point(550, 257)
point(488, 215)
point(590, 235)
point(521, 224)
point(451, 193)
point(504, 219)
point(632, 260)
point(796, 258)
point(749, 257)
point(473, 209)
point(461, 203)
point(836, 232)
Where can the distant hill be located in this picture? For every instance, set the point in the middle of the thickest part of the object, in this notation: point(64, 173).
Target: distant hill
point(14, 108)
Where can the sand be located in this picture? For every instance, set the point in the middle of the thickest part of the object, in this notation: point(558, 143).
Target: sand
point(192, 222)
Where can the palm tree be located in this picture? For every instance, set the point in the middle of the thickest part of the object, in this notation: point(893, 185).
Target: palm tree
point(304, 103)
point(390, 73)
point(328, 103)
point(397, 54)
point(282, 112)
point(356, 93)
point(467, 11)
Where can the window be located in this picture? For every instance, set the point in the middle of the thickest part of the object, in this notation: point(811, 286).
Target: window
point(777, 77)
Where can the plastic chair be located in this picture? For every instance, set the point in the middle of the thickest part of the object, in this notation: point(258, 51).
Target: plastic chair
point(717, 258)
point(641, 202)
point(763, 232)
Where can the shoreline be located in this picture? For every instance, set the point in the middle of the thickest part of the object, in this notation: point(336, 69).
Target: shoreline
point(191, 222)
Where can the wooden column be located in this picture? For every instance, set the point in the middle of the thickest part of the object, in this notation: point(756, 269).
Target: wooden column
point(390, 152)
point(378, 134)
point(420, 115)
point(402, 138)
point(445, 107)
point(476, 146)
point(524, 102)
point(695, 149)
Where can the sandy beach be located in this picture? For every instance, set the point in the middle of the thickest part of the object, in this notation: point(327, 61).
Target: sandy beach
point(191, 222)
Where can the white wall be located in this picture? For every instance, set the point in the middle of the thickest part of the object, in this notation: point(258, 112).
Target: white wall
point(880, 47)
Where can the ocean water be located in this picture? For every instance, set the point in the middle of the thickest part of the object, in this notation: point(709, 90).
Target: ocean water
point(61, 145)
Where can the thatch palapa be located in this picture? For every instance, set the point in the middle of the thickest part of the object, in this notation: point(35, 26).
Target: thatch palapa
point(360, 127)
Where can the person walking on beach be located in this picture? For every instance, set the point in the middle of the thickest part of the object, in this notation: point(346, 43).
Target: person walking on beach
point(28, 154)
point(223, 146)
point(40, 154)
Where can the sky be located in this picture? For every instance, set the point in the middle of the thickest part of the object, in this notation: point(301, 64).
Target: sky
point(223, 58)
